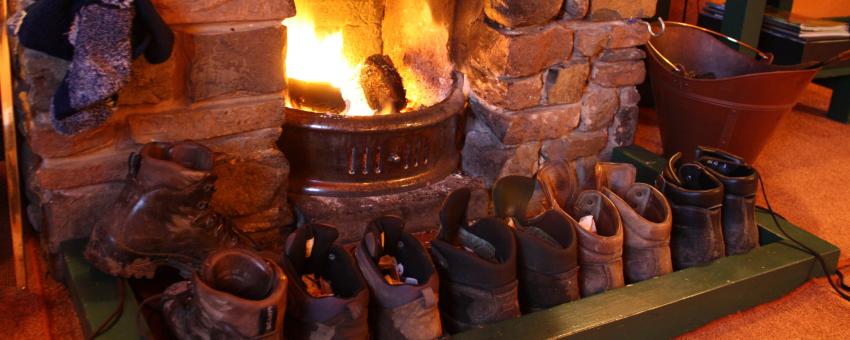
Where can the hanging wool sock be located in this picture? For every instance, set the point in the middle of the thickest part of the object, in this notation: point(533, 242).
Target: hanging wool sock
point(100, 66)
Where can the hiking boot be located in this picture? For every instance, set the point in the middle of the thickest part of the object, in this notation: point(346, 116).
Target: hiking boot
point(740, 182)
point(600, 241)
point(647, 221)
point(235, 295)
point(477, 267)
point(403, 282)
point(163, 215)
point(328, 298)
point(547, 246)
point(696, 199)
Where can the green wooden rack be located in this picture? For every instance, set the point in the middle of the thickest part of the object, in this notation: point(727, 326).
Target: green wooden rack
point(658, 308)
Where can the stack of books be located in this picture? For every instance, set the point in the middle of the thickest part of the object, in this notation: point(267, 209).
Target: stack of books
point(783, 24)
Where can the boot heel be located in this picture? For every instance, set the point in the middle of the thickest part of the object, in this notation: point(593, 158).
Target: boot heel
point(109, 258)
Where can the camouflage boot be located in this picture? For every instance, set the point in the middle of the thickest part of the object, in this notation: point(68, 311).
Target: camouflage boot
point(235, 295)
point(403, 282)
point(328, 298)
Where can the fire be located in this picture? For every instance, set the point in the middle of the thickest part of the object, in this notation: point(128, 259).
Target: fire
point(314, 58)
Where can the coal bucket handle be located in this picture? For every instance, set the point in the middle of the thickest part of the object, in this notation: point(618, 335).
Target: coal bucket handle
point(765, 57)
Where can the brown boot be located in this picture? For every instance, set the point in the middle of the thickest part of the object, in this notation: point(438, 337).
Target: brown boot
point(547, 246)
point(328, 298)
point(163, 215)
point(403, 282)
point(235, 295)
point(600, 252)
point(647, 221)
point(477, 268)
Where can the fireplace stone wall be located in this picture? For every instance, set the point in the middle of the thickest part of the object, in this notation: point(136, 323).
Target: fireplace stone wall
point(222, 87)
point(549, 80)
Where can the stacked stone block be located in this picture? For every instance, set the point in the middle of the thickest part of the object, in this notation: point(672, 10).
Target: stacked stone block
point(549, 80)
point(222, 87)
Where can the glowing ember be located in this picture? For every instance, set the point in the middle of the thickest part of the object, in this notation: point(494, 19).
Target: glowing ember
point(314, 58)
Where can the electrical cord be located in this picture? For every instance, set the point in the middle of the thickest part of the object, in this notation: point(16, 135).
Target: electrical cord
point(113, 318)
point(840, 287)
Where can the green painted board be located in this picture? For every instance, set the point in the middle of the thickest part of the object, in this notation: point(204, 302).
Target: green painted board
point(95, 294)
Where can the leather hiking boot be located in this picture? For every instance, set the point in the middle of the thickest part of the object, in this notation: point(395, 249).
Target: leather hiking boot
point(547, 246)
point(740, 182)
point(328, 298)
point(235, 295)
point(601, 247)
point(163, 215)
point(647, 221)
point(477, 267)
point(560, 184)
point(403, 282)
point(696, 199)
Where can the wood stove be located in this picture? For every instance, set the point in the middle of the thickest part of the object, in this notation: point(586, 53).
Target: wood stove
point(334, 155)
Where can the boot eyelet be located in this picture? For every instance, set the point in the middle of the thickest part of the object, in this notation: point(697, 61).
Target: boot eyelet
point(331, 257)
point(589, 202)
point(202, 205)
point(209, 187)
point(400, 244)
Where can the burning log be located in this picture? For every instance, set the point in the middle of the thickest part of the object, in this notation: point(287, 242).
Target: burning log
point(382, 85)
point(315, 96)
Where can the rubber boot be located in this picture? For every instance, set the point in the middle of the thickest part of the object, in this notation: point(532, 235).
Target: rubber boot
point(740, 183)
point(163, 215)
point(477, 268)
point(696, 199)
point(407, 307)
point(547, 244)
point(647, 221)
point(235, 295)
point(342, 313)
point(600, 252)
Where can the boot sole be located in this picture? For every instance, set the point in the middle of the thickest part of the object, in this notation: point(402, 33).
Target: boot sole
point(117, 260)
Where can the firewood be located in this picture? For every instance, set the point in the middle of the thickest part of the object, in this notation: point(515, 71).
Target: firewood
point(315, 96)
point(382, 84)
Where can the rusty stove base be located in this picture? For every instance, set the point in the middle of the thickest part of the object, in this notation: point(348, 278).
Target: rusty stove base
point(419, 207)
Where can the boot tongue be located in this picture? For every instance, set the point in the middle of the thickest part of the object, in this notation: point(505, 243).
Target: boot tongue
point(453, 216)
point(618, 177)
point(560, 183)
point(511, 195)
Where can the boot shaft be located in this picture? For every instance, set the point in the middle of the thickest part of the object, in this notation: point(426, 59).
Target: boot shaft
point(236, 294)
point(600, 252)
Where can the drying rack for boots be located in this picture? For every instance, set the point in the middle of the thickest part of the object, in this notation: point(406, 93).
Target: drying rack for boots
point(671, 304)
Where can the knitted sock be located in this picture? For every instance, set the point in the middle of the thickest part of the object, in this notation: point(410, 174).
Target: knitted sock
point(100, 66)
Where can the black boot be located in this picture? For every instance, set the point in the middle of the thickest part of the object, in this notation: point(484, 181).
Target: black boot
point(740, 182)
point(477, 268)
point(403, 281)
point(696, 198)
point(547, 246)
point(328, 298)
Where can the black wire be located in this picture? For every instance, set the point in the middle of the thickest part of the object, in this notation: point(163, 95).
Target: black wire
point(113, 318)
point(839, 287)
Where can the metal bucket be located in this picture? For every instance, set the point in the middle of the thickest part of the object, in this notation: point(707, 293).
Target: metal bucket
point(707, 93)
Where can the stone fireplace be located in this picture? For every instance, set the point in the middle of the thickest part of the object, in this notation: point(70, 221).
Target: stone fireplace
point(519, 83)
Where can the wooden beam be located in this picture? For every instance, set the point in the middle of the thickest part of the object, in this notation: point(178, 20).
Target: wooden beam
point(10, 140)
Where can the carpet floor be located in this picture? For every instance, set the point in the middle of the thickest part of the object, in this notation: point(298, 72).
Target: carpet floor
point(805, 166)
